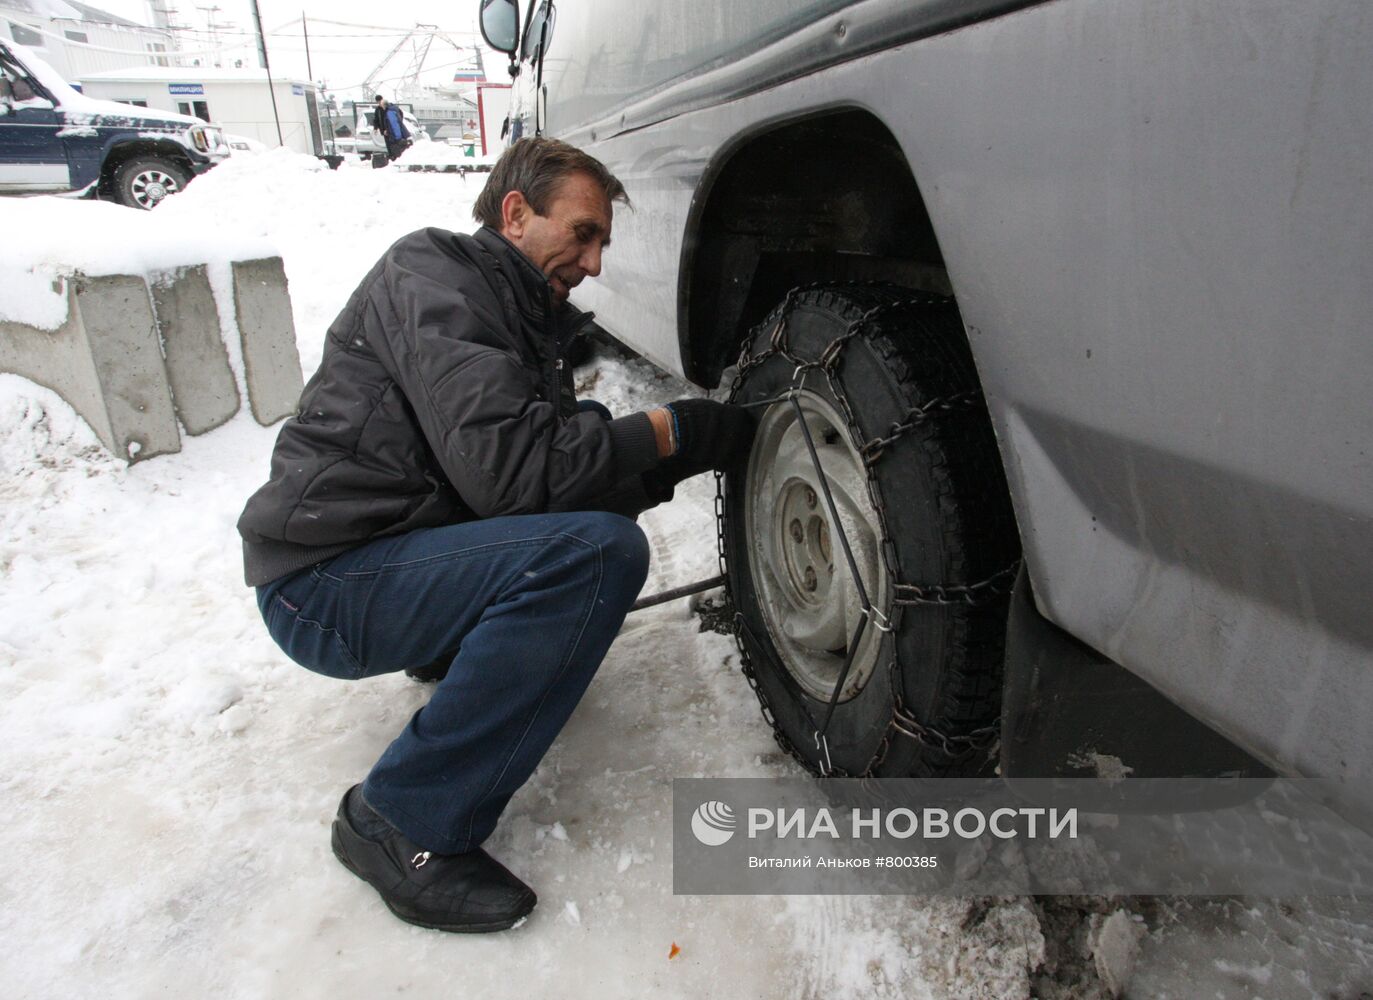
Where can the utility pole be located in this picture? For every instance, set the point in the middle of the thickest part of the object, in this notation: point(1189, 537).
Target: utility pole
point(305, 30)
point(262, 56)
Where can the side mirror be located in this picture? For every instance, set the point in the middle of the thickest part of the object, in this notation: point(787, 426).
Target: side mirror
point(500, 25)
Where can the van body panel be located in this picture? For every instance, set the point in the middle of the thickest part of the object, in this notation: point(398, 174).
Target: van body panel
point(1156, 219)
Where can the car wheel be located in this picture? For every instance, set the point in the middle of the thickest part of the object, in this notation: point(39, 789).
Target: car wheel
point(912, 613)
point(144, 182)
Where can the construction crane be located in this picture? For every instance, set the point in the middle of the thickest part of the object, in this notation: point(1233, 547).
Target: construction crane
point(421, 38)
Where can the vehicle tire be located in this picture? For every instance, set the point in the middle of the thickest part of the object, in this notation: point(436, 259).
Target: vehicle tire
point(144, 181)
point(942, 517)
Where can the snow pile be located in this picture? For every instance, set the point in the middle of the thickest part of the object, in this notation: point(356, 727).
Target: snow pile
point(48, 239)
point(167, 776)
point(436, 153)
point(38, 430)
point(328, 226)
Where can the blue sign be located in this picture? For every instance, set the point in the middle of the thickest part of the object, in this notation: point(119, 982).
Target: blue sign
point(297, 90)
point(186, 88)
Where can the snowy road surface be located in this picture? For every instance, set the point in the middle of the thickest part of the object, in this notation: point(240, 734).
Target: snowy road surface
point(167, 776)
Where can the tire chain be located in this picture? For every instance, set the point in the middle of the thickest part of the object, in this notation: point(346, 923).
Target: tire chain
point(902, 723)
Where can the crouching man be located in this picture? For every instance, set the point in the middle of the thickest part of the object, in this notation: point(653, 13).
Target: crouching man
point(440, 498)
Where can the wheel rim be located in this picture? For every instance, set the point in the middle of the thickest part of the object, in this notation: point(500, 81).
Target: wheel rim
point(152, 185)
point(806, 593)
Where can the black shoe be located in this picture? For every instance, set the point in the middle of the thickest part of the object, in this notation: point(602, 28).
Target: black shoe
point(434, 672)
point(471, 892)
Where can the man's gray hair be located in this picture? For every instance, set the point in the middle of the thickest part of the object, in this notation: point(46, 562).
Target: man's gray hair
point(535, 167)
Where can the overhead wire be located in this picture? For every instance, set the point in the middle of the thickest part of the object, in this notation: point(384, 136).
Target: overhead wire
point(401, 76)
point(279, 33)
point(207, 34)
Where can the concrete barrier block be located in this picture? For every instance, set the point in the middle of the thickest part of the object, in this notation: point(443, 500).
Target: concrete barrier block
point(106, 361)
point(271, 363)
point(202, 382)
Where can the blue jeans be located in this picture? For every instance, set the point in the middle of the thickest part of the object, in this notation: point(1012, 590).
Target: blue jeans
point(526, 607)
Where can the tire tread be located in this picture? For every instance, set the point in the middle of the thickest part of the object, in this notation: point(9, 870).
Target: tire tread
point(920, 343)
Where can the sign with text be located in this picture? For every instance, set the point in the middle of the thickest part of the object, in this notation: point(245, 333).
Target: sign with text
point(186, 88)
point(961, 837)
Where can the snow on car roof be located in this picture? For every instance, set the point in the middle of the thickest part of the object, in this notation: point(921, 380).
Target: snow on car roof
point(75, 101)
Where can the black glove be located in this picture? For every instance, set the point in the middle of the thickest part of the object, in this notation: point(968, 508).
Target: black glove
point(660, 481)
point(710, 435)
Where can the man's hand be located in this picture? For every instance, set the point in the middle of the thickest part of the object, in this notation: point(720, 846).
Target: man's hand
point(660, 482)
point(696, 436)
point(711, 435)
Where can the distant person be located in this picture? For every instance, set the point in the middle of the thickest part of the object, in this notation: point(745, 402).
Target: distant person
point(390, 123)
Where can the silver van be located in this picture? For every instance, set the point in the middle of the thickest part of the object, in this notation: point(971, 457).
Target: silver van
point(1057, 318)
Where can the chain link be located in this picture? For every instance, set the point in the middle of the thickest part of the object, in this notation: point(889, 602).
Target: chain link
point(902, 723)
point(986, 591)
point(872, 450)
point(987, 738)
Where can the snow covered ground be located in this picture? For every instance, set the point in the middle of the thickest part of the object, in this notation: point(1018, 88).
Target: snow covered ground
point(167, 776)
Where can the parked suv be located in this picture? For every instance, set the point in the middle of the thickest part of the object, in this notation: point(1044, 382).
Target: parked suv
point(1068, 301)
point(55, 140)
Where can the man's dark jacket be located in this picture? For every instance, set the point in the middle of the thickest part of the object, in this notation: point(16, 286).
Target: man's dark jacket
point(441, 397)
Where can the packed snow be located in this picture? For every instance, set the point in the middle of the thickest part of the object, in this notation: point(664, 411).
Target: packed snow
point(169, 776)
point(76, 103)
point(433, 153)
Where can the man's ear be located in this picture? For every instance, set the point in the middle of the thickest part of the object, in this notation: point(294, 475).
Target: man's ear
point(515, 214)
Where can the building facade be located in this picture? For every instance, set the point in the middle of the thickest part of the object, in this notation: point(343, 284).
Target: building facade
point(76, 38)
point(237, 100)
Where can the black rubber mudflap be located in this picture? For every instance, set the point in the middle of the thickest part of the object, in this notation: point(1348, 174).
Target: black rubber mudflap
point(1065, 706)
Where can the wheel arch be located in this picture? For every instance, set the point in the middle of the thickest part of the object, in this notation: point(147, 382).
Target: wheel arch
point(131, 149)
point(772, 213)
point(826, 195)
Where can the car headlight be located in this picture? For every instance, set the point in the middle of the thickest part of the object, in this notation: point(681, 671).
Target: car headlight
point(207, 139)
